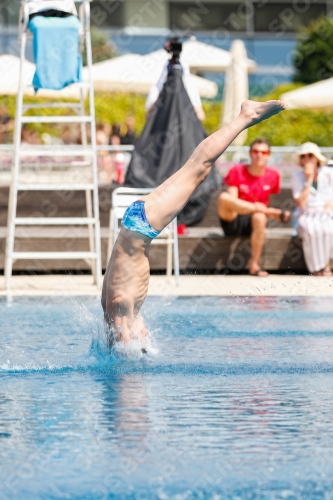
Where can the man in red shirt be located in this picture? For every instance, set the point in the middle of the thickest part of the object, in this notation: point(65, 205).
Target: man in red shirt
point(243, 208)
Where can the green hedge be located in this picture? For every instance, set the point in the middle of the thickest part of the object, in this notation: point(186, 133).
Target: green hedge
point(294, 126)
point(288, 128)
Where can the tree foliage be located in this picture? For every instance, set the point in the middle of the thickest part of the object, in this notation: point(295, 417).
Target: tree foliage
point(313, 60)
point(101, 48)
point(291, 127)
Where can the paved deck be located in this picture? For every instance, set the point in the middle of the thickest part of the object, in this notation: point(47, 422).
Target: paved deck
point(224, 286)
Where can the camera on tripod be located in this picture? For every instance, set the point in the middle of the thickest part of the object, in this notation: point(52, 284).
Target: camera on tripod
point(174, 47)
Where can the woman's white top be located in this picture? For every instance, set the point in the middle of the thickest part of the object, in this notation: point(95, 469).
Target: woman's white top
point(63, 5)
point(188, 82)
point(317, 197)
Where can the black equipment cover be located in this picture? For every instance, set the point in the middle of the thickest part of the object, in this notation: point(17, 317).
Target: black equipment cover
point(171, 134)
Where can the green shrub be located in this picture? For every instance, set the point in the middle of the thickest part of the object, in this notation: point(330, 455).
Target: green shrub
point(114, 108)
point(101, 48)
point(294, 126)
point(213, 116)
point(314, 51)
point(290, 127)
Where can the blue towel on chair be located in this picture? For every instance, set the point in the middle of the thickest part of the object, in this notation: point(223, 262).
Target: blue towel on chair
point(56, 52)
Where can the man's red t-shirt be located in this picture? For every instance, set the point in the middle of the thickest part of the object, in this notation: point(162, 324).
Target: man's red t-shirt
point(251, 188)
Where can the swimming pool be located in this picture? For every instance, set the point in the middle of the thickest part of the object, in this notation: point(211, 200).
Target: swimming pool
point(237, 403)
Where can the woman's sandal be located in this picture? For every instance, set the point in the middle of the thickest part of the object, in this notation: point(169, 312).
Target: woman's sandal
point(283, 216)
point(257, 273)
point(324, 273)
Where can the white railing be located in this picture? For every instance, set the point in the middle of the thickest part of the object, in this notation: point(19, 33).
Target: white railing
point(38, 168)
point(282, 158)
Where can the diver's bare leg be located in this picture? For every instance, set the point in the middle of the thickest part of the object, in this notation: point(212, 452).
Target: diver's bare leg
point(166, 201)
point(127, 275)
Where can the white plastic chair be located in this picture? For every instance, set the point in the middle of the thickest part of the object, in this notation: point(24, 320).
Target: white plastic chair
point(121, 199)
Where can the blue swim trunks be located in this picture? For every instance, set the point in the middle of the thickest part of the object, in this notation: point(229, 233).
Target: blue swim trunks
point(135, 220)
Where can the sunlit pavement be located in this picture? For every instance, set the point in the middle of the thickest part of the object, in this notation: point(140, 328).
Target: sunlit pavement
point(227, 286)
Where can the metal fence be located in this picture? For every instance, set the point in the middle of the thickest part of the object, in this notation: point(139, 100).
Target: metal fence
point(58, 167)
point(36, 169)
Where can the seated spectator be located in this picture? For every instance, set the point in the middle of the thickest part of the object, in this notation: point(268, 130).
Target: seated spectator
point(71, 135)
point(104, 159)
point(313, 194)
point(118, 159)
point(6, 125)
point(29, 136)
point(102, 137)
point(129, 136)
point(243, 208)
point(115, 130)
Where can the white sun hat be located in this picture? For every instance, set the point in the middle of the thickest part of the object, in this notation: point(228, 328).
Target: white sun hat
point(310, 147)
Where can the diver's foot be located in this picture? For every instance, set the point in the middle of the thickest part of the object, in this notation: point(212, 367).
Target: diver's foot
point(256, 112)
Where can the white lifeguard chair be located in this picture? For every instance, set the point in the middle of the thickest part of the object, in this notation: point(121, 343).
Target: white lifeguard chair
point(64, 181)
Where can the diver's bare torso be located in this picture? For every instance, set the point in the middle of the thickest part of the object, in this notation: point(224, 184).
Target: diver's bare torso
point(125, 284)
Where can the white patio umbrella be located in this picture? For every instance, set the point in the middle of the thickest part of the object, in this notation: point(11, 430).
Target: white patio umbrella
point(203, 57)
point(9, 74)
point(236, 88)
point(200, 57)
point(128, 73)
point(120, 74)
point(316, 95)
point(136, 74)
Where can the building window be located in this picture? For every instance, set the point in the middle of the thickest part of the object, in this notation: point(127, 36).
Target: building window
point(286, 17)
point(107, 14)
point(9, 12)
point(205, 16)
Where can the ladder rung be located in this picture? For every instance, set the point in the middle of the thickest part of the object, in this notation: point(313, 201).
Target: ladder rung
point(52, 105)
point(56, 119)
point(54, 221)
point(54, 255)
point(46, 151)
point(82, 85)
point(55, 187)
point(162, 241)
point(57, 165)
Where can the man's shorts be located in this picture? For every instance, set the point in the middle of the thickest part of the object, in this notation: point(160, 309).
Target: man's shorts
point(241, 226)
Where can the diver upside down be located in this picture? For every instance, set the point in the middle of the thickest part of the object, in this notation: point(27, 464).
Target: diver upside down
point(126, 278)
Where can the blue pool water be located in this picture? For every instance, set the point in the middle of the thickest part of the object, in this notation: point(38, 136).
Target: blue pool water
point(237, 403)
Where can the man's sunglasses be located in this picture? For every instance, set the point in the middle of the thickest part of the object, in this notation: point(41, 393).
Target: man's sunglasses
point(257, 152)
point(307, 155)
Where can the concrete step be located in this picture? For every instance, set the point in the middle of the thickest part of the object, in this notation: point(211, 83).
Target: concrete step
point(71, 203)
point(204, 248)
point(201, 249)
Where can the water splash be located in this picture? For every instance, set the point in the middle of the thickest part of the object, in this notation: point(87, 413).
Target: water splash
point(63, 335)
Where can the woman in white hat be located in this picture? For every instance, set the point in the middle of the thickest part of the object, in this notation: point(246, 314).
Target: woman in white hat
point(313, 194)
